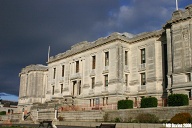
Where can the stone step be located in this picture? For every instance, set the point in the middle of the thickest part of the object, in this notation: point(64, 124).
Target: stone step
point(82, 116)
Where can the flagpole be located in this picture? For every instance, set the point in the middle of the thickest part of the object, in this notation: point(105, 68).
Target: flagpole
point(48, 53)
point(177, 5)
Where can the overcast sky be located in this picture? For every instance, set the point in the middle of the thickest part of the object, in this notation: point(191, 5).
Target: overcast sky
point(28, 27)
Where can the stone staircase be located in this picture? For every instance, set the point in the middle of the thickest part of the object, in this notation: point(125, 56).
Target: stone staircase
point(11, 118)
point(16, 117)
point(49, 115)
point(82, 115)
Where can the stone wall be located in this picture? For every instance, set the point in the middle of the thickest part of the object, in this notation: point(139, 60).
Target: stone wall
point(164, 113)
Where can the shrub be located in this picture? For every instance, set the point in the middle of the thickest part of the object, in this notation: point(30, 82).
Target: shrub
point(147, 118)
point(181, 118)
point(60, 118)
point(178, 100)
point(148, 102)
point(3, 113)
point(125, 104)
point(106, 117)
point(117, 119)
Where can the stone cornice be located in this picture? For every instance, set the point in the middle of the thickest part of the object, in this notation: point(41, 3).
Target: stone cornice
point(180, 16)
point(33, 67)
point(146, 35)
point(85, 46)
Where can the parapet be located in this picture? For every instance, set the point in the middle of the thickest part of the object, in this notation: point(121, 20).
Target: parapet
point(180, 15)
point(34, 67)
point(125, 37)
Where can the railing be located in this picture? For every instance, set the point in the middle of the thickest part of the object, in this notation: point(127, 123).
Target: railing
point(91, 91)
point(142, 66)
point(61, 80)
point(104, 89)
point(106, 69)
point(34, 115)
point(126, 68)
point(66, 89)
point(100, 107)
point(27, 115)
point(126, 89)
point(75, 76)
point(88, 107)
point(92, 73)
point(45, 116)
point(142, 88)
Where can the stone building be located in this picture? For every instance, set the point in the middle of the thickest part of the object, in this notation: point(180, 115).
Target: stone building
point(179, 55)
point(119, 66)
point(33, 84)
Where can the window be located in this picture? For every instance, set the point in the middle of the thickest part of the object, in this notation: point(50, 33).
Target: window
point(74, 84)
point(93, 82)
point(143, 79)
point(190, 94)
point(142, 56)
point(77, 66)
point(61, 88)
point(90, 102)
point(126, 79)
point(188, 77)
point(106, 80)
point(93, 62)
point(53, 90)
point(54, 73)
point(126, 59)
point(79, 87)
point(93, 102)
point(106, 58)
point(63, 70)
point(103, 101)
point(106, 100)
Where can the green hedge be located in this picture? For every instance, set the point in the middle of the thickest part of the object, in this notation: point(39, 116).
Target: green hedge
point(178, 100)
point(3, 113)
point(125, 104)
point(148, 102)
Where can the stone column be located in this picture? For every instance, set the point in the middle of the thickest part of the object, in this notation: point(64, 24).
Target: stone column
point(169, 56)
point(22, 116)
point(55, 114)
point(37, 114)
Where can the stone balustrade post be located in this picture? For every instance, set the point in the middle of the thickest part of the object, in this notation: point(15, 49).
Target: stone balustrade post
point(37, 114)
point(23, 114)
point(55, 114)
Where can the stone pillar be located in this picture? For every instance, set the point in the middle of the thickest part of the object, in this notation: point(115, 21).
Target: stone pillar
point(37, 114)
point(23, 114)
point(55, 114)
point(169, 50)
point(82, 74)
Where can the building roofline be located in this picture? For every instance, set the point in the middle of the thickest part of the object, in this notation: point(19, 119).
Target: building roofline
point(84, 46)
point(179, 16)
point(33, 67)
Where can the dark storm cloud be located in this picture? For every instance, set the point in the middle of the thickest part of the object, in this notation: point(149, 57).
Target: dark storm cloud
point(28, 27)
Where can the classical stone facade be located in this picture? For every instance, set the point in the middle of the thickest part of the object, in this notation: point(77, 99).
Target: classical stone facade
point(179, 45)
point(119, 66)
point(33, 83)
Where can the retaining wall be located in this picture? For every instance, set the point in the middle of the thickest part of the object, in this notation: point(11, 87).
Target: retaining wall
point(118, 125)
point(163, 113)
